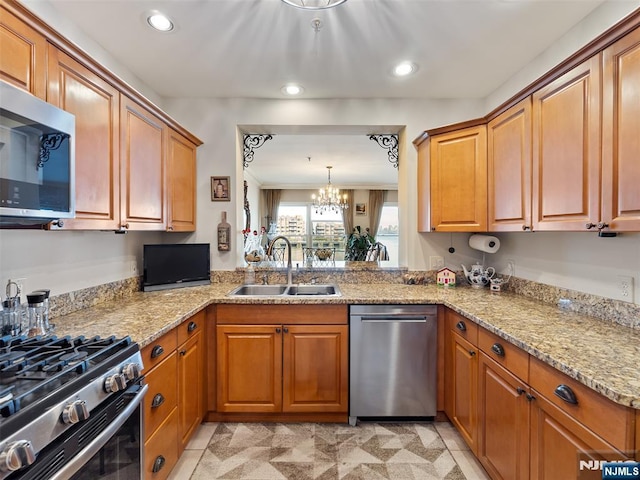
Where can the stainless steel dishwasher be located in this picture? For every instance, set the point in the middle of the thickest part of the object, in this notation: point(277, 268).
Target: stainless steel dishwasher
point(392, 361)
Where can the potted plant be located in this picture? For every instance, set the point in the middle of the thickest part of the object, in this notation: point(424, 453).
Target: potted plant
point(358, 245)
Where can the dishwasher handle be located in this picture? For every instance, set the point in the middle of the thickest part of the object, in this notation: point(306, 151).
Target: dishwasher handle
point(390, 318)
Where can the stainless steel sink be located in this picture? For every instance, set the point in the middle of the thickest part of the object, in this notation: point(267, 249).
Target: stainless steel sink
point(314, 289)
point(258, 290)
point(299, 290)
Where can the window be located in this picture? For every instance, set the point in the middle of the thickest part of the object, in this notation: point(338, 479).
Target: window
point(387, 233)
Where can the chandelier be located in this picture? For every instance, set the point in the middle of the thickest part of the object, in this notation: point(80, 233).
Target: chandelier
point(329, 198)
point(314, 4)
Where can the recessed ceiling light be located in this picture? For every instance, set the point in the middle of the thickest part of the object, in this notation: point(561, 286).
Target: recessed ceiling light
point(292, 89)
point(160, 22)
point(405, 68)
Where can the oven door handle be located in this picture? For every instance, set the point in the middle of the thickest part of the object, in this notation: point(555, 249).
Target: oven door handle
point(101, 440)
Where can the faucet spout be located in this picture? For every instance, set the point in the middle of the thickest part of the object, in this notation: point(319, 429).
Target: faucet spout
point(289, 267)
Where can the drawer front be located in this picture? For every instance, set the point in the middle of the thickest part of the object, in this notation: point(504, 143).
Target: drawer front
point(190, 327)
point(506, 354)
point(278, 314)
point(162, 396)
point(161, 450)
point(158, 350)
point(463, 327)
point(613, 422)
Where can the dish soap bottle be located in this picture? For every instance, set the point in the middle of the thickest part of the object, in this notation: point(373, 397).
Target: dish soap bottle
point(224, 234)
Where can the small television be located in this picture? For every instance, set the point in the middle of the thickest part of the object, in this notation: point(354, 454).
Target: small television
point(175, 265)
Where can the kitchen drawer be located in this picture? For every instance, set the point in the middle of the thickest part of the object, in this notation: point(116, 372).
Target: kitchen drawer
point(162, 448)
point(190, 327)
point(613, 422)
point(463, 327)
point(159, 349)
point(163, 390)
point(328, 314)
point(506, 354)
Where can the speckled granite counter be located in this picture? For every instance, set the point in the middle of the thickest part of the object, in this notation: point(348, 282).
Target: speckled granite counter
point(604, 356)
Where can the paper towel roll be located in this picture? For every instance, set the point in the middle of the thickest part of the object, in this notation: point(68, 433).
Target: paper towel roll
point(484, 243)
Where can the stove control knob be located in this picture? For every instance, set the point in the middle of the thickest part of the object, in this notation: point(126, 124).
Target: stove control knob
point(16, 456)
point(75, 412)
point(131, 371)
point(115, 383)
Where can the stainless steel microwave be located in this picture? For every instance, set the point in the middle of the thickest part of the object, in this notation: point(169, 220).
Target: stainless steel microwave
point(37, 160)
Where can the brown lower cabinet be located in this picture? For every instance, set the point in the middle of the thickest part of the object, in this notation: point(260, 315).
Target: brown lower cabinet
point(174, 370)
point(531, 420)
point(294, 365)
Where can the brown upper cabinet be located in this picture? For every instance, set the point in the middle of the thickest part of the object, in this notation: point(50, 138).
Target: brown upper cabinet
point(509, 169)
point(96, 106)
point(23, 55)
point(143, 140)
point(181, 164)
point(566, 150)
point(453, 170)
point(620, 135)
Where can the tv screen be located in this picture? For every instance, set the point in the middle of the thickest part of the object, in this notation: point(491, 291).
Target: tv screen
point(175, 265)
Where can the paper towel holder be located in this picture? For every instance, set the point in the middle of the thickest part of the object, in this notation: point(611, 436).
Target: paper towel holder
point(484, 243)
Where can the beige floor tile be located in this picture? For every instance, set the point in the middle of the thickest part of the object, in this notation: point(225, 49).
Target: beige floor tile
point(469, 465)
point(450, 436)
point(201, 438)
point(186, 465)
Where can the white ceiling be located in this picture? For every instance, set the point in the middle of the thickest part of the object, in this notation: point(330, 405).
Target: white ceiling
point(251, 48)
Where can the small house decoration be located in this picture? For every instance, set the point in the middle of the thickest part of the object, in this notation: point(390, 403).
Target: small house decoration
point(446, 278)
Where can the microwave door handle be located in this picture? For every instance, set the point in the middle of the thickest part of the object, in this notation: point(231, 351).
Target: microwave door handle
point(101, 440)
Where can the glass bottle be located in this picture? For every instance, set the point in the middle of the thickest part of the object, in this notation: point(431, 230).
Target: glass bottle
point(35, 314)
point(224, 234)
point(48, 326)
point(12, 317)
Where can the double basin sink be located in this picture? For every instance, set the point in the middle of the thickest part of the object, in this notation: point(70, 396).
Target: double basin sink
point(299, 290)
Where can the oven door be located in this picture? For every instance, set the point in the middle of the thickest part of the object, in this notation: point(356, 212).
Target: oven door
point(108, 445)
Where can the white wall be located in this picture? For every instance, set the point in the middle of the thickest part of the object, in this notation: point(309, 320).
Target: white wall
point(65, 261)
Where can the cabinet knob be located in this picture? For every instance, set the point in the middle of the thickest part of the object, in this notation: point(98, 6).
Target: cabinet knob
point(124, 226)
point(157, 351)
point(565, 393)
point(170, 228)
point(472, 353)
point(58, 223)
point(433, 229)
point(158, 400)
point(497, 349)
point(278, 330)
point(461, 326)
point(519, 390)
point(530, 397)
point(158, 463)
point(183, 353)
point(602, 225)
point(526, 227)
point(590, 225)
point(191, 327)
point(285, 330)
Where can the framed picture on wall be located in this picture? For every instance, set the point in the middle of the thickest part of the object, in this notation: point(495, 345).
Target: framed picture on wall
point(361, 208)
point(220, 189)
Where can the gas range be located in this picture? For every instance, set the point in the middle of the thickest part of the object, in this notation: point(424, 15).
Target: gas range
point(51, 385)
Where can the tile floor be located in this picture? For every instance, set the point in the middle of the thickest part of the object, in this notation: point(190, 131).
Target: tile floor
point(468, 464)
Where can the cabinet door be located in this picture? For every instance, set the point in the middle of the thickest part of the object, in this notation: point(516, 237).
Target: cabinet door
point(182, 184)
point(559, 444)
point(142, 161)
point(249, 368)
point(190, 387)
point(95, 104)
point(424, 187)
point(503, 431)
point(459, 180)
point(566, 150)
point(464, 389)
point(621, 124)
point(315, 368)
point(23, 54)
point(509, 169)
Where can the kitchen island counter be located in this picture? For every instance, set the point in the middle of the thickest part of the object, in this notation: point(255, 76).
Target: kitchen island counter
point(599, 354)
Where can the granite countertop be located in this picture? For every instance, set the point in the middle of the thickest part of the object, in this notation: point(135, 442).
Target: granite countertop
point(601, 355)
